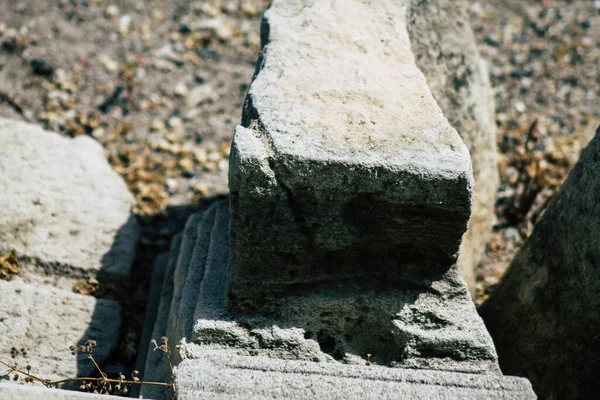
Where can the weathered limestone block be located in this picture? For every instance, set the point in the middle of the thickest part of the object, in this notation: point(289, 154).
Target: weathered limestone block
point(47, 321)
point(350, 193)
point(346, 171)
point(62, 208)
point(225, 376)
point(445, 51)
point(544, 316)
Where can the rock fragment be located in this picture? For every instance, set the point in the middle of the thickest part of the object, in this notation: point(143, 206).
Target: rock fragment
point(542, 316)
point(63, 210)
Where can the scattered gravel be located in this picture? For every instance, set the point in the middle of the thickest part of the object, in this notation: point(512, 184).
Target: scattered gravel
point(544, 62)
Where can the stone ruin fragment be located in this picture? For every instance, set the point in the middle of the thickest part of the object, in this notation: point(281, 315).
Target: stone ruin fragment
point(331, 268)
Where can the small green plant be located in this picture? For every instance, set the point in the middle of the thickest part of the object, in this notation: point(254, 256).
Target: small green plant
point(102, 384)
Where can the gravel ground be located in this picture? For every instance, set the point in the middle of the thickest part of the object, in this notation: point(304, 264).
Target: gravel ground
point(544, 62)
point(161, 85)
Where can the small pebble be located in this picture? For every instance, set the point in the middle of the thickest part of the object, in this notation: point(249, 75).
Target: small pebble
point(157, 125)
point(108, 63)
point(41, 67)
point(520, 106)
point(111, 11)
point(175, 122)
point(181, 90)
point(199, 94)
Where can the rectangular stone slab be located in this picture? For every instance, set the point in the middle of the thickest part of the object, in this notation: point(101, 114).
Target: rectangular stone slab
point(345, 170)
point(223, 376)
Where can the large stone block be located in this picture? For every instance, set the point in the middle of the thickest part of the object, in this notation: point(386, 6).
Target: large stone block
point(47, 321)
point(350, 193)
point(543, 316)
point(445, 50)
point(62, 208)
point(221, 376)
point(345, 171)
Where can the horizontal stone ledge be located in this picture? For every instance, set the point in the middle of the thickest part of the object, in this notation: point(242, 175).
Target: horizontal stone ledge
point(241, 377)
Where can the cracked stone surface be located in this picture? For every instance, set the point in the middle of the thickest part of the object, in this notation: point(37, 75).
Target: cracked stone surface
point(63, 209)
point(345, 171)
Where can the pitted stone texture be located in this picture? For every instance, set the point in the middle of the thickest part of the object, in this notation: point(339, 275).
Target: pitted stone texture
point(63, 209)
point(11, 391)
point(445, 51)
point(544, 316)
point(431, 325)
point(225, 376)
point(47, 321)
point(346, 170)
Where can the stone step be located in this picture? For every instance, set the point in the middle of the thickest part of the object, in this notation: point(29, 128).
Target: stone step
point(187, 261)
point(158, 276)
point(211, 294)
point(195, 274)
point(46, 321)
point(184, 258)
point(227, 376)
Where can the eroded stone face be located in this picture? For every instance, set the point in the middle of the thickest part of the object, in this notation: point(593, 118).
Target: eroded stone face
point(346, 172)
